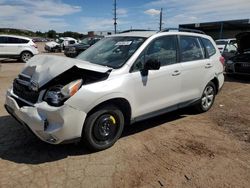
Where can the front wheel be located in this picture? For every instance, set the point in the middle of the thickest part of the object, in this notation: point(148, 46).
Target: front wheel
point(103, 127)
point(207, 98)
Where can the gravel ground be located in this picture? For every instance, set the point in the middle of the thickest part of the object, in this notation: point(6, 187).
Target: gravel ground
point(178, 149)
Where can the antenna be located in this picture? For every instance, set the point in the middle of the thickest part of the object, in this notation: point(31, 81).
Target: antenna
point(115, 16)
point(160, 20)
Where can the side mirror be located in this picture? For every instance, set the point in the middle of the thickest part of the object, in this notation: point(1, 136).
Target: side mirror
point(152, 64)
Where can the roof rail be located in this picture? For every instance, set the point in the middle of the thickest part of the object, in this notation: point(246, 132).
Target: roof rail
point(183, 29)
point(131, 30)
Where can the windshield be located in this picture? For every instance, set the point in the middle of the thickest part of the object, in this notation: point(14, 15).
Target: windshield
point(112, 51)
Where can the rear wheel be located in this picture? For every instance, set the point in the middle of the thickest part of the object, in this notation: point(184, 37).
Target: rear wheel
point(25, 56)
point(103, 127)
point(207, 98)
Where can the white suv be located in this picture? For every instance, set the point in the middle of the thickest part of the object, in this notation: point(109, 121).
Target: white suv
point(17, 47)
point(121, 79)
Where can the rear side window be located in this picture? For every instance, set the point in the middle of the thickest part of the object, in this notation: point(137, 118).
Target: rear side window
point(71, 42)
point(191, 49)
point(209, 47)
point(13, 40)
point(3, 40)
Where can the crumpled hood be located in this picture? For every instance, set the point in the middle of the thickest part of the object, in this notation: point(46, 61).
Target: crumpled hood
point(243, 41)
point(43, 68)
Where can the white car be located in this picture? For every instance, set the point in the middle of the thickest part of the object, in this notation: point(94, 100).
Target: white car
point(66, 41)
point(17, 47)
point(121, 79)
point(226, 45)
point(52, 46)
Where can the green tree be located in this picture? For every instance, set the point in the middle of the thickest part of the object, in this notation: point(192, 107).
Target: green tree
point(51, 34)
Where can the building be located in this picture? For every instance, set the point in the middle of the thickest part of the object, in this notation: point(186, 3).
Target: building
point(99, 33)
point(221, 29)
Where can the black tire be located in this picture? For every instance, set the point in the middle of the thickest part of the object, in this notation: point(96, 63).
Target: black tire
point(25, 56)
point(103, 128)
point(207, 98)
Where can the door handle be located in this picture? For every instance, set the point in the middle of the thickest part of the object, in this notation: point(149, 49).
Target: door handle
point(176, 73)
point(208, 65)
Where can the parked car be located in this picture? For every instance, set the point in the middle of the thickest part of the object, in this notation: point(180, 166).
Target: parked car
point(39, 39)
point(17, 47)
point(66, 41)
point(239, 63)
point(52, 47)
point(226, 45)
point(122, 79)
point(59, 44)
point(75, 49)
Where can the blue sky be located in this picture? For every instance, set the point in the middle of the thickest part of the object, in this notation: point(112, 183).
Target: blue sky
point(86, 15)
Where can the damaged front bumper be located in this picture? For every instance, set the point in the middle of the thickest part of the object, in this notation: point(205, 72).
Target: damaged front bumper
point(51, 124)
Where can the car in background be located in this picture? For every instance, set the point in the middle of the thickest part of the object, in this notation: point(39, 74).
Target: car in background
point(40, 39)
point(227, 47)
point(239, 63)
point(66, 41)
point(75, 49)
point(225, 44)
point(17, 47)
point(59, 44)
point(52, 47)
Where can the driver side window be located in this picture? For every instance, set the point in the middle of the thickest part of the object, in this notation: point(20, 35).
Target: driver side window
point(162, 49)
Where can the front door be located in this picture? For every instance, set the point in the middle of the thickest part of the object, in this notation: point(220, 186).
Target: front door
point(157, 89)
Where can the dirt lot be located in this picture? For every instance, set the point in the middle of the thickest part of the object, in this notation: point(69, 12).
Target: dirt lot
point(178, 149)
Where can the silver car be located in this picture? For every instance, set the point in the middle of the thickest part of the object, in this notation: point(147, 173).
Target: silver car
point(121, 79)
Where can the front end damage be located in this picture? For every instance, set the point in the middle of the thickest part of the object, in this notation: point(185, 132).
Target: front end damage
point(51, 123)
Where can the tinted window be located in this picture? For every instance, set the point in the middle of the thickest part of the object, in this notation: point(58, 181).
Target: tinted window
point(162, 49)
point(233, 42)
point(13, 40)
point(191, 49)
point(71, 42)
point(22, 41)
point(221, 42)
point(3, 40)
point(209, 47)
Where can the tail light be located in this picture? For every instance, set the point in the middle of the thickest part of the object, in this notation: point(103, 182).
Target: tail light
point(34, 43)
point(222, 60)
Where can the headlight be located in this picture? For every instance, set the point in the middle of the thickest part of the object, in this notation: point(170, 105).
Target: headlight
point(56, 95)
point(229, 62)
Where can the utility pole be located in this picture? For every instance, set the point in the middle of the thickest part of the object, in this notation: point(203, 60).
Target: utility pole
point(115, 16)
point(160, 28)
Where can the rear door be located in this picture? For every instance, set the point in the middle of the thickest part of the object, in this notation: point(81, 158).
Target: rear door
point(194, 64)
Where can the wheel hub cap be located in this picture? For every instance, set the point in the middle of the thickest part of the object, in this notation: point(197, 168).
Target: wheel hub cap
point(106, 127)
point(208, 97)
